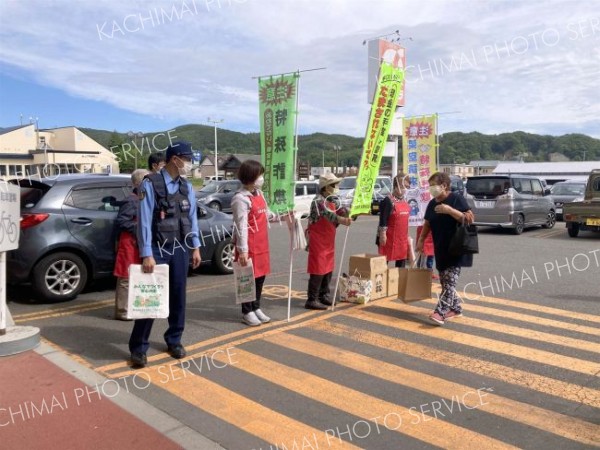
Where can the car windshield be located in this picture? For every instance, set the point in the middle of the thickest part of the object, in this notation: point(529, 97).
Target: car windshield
point(568, 189)
point(348, 183)
point(30, 196)
point(488, 186)
point(210, 188)
point(384, 181)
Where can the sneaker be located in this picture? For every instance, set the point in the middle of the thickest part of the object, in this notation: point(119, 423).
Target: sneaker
point(262, 316)
point(251, 319)
point(312, 304)
point(177, 351)
point(453, 314)
point(436, 318)
point(138, 360)
point(326, 302)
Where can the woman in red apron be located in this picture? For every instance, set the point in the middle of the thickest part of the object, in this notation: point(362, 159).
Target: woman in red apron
point(127, 249)
point(428, 250)
point(323, 220)
point(250, 216)
point(392, 236)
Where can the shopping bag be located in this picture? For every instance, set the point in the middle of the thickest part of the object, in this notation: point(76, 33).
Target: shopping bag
point(245, 287)
point(464, 241)
point(355, 289)
point(148, 296)
point(414, 282)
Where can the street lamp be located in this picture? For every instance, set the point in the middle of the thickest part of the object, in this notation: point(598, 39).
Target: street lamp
point(215, 122)
point(337, 149)
point(133, 135)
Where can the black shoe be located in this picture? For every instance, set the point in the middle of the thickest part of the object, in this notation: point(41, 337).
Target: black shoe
point(138, 360)
point(177, 351)
point(326, 301)
point(312, 304)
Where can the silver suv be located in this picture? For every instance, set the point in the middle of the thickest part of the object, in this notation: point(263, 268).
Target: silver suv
point(510, 201)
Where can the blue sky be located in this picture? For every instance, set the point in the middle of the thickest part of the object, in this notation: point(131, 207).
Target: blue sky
point(152, 65)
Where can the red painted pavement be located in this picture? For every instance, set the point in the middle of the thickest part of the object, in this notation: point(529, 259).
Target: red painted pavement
point(42, 406)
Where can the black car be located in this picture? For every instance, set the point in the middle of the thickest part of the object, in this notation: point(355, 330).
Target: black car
point(68, 233)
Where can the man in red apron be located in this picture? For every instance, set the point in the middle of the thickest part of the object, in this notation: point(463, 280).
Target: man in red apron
point(325, 216)
point(392, 236)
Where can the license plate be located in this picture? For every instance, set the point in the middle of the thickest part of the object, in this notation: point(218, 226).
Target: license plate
point(593, 222)
point(558, 210)
point(489, 204)
point(375, 207)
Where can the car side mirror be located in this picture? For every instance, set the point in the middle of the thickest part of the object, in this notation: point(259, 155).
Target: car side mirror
point(201, 212)
point(547, 191)
point(226, 191)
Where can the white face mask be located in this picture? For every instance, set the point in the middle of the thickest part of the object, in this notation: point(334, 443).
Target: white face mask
point(187, 167)
point(436, 191)
point(259, 182)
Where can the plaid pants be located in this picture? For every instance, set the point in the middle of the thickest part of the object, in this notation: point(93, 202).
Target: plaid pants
point(449, 299)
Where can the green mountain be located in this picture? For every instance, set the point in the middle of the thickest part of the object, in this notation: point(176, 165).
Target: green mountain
point(455, 147)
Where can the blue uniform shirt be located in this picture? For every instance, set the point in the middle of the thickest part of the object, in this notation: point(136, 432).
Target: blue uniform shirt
point(146, 210)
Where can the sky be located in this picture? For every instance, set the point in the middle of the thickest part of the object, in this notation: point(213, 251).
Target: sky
point(133, 65)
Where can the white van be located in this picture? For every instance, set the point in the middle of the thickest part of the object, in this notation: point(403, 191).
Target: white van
point(304, 195)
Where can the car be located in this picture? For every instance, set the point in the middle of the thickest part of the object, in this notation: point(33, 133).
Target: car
point(68, 233)
point(218, 194)
point(457, 185)
point(566, 192)
point(510, 201)
point(583, 214)
point(348, 185)
point(210, 179)
point(305, 192)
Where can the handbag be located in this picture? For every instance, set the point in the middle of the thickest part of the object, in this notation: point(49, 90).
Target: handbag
point(148, 296)
point(414, 282)
point(464, 241)
point(245, 287)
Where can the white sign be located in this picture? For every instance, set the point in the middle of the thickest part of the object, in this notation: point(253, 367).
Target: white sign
point(10, 216)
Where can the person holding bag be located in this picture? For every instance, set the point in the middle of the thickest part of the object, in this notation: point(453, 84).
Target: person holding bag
point(392, 234)
point(443, 215)
point(251, 235)
point(323, 220)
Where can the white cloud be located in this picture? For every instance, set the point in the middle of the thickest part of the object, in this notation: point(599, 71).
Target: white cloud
point(529, 65)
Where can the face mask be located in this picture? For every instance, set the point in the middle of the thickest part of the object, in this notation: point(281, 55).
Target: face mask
point(259, 182)
point(436, 191)
point(187, 167)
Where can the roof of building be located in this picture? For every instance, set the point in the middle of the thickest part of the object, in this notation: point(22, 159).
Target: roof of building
point(9, 129)
point(541, 168)
point(484, 163)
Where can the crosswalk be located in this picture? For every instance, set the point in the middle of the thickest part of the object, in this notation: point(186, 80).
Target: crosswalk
point(509, 374)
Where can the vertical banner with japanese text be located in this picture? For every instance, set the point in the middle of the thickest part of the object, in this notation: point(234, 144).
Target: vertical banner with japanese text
point(277, 105)
point(419, 158)
point(389, 86)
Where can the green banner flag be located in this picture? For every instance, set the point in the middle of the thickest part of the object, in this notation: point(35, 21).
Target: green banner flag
point(389, 87)
point(277, 103)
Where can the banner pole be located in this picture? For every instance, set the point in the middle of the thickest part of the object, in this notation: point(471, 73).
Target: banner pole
point(337, 281)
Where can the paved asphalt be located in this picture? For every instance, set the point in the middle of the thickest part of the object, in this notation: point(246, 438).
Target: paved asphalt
point(520, 370)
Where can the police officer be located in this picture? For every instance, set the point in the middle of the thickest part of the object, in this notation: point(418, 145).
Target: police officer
point(167, 232)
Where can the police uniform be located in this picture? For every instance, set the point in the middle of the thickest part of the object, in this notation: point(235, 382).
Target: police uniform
point(168, 231)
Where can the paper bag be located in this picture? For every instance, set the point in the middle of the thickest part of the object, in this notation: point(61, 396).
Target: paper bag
point(414, 284)
point(354, 289)
point(148, 296)
point(245, 287)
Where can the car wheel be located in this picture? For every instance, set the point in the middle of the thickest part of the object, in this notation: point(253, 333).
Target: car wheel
point(215, 205)
point(59, 276)
point(519, 224)
point(573, 230)
point(550, 220)
point(223, 258)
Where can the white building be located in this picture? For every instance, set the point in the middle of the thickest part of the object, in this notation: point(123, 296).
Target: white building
point(550, 171)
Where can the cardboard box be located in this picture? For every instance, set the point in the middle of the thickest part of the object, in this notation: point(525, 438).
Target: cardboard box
point(367, 263)
point(371, 267)
point(414, 284)
point(393, 276)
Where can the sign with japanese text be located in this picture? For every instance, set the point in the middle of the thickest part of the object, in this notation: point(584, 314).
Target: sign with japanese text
point(391, 81)
point(419, 157)
point(277, 105)
point(391, 52)
point(10, 216)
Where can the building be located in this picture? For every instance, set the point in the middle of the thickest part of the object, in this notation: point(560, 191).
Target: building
point(483, 167)
point(232, 163)
point(552, 172)
point(462, 170)
point(207, 165)
point(29, 152)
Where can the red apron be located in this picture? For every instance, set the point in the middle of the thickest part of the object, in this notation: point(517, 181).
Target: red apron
point(258, 236)
point(428, 244)
point(127, 253)
point(396, 246)
point(321, 245)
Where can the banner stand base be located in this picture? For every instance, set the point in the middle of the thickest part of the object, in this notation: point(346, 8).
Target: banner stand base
point(18, 340)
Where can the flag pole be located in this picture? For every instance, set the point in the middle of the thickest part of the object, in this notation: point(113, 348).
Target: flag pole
point(337, 281)
point(293, 227)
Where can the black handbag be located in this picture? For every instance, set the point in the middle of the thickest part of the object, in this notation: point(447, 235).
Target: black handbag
point(464, 241)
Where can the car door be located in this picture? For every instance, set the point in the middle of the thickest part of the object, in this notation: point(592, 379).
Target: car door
point(525, 201)
point(227, 192)
point(90, 212)
point(539, 201)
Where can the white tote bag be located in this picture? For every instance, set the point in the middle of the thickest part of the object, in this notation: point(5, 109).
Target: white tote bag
point(148, 293)
point(245, 288)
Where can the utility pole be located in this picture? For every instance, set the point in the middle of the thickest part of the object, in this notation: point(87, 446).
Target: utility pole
point(215, 122)
point(337, 149)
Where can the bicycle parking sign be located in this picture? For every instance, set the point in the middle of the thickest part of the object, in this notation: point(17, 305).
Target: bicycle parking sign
point(10, 216)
